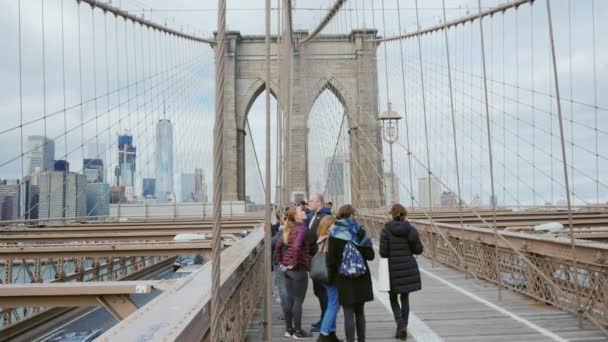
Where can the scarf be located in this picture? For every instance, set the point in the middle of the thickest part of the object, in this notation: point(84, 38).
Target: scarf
point(350, 230)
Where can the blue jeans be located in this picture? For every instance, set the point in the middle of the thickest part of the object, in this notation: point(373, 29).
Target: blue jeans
point(279, 279)
point(328, 324)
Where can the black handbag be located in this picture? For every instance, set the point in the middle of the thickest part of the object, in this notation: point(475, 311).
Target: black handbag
point(318, 267)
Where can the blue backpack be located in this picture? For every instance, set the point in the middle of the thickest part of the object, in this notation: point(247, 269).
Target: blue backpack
point(353, 265)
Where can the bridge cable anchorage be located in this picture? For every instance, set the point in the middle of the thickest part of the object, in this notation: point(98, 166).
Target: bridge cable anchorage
point(218, 159)
point(579, 309)
point(456, 22)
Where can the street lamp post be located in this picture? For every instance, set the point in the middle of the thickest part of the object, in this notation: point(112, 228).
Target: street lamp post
point(390, 134)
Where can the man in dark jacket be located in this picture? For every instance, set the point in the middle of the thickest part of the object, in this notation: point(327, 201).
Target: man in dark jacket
point(318, 211)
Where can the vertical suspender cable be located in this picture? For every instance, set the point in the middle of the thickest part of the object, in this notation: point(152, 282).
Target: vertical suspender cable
point(447, 51)
point(218, 160)
point(21, 93)
point(279, 156)
point(577, 286)
point(392, 198)
point(426, 131)
point(267, 247)
point(487, 108)
point(67, 203)
point(405, 113)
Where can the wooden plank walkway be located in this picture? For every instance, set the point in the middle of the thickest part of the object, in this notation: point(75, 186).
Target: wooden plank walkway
point(452, 308)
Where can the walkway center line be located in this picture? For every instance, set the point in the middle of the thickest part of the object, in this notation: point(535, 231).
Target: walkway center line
point(489, 304)
point(416, 327)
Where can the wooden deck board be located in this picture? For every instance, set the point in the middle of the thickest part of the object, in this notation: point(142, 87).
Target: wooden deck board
point(453, 315)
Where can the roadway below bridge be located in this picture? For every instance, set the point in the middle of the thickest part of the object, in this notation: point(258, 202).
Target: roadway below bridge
point(88, 320)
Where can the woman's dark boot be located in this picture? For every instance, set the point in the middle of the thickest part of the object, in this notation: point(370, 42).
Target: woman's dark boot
point(403, 333)
point(398, 330)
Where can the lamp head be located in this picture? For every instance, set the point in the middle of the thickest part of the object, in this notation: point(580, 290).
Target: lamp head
point(390, 115)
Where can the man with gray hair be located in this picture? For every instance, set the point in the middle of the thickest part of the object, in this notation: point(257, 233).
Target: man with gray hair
point(318, 211)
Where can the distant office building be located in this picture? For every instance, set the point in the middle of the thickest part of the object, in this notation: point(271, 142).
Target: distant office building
point(61, 166)
point(29, 199)
point(476, 201)
point(129, 193)
point(62, 194)
point(424, 200)
point(388, 182)
point(164, 160)
point(338, 180)
point(117, 194)
point(98, 151)
point(127, 155)
point(449, 199)
point(200, 186)
point(187, 187)
point(9, 202)
point(149, 187)
point(98, 199)
point(93, 170)
point(40, 155)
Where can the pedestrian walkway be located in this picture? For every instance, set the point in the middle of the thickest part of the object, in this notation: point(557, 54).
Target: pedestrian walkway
point(452, 308)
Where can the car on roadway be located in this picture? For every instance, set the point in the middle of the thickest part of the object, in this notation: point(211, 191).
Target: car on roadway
point(186, 260)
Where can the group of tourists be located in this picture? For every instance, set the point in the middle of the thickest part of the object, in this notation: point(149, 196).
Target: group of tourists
point(309, 241)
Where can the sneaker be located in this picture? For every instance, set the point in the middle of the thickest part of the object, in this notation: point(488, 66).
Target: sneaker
point(288, 333)
point(315, 327)
point(301, 334)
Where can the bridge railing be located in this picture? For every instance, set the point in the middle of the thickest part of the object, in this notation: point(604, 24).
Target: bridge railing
point(182, 312)
point(551, 255)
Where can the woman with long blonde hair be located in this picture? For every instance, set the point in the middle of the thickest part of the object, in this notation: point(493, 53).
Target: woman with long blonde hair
point(293, 258)
point(328, 323)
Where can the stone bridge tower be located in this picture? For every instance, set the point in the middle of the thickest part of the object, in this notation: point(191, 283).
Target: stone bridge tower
point(344, 64)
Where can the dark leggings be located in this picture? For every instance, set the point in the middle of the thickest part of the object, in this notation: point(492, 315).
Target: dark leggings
point(401, 312)
point(354, 319)
point(296, 284)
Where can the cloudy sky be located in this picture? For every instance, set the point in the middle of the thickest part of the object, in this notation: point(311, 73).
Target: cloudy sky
point(82, 77)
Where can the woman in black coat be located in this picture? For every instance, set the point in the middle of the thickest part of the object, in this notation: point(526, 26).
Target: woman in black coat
point(352, 292)
point(399, 242)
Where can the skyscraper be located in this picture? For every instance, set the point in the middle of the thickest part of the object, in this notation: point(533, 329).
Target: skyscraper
point(62, 194)
point(149, 187)
point(200, 186)
point(9, 202)
point(40, 155)
point(98, 199)
point(98, 151)
point(388, 182)
point(187, 188)
point(164, 160)
point(93, 170)
point(423, 192)
point(338, 180)
point(127, 154)
point(29, 198)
